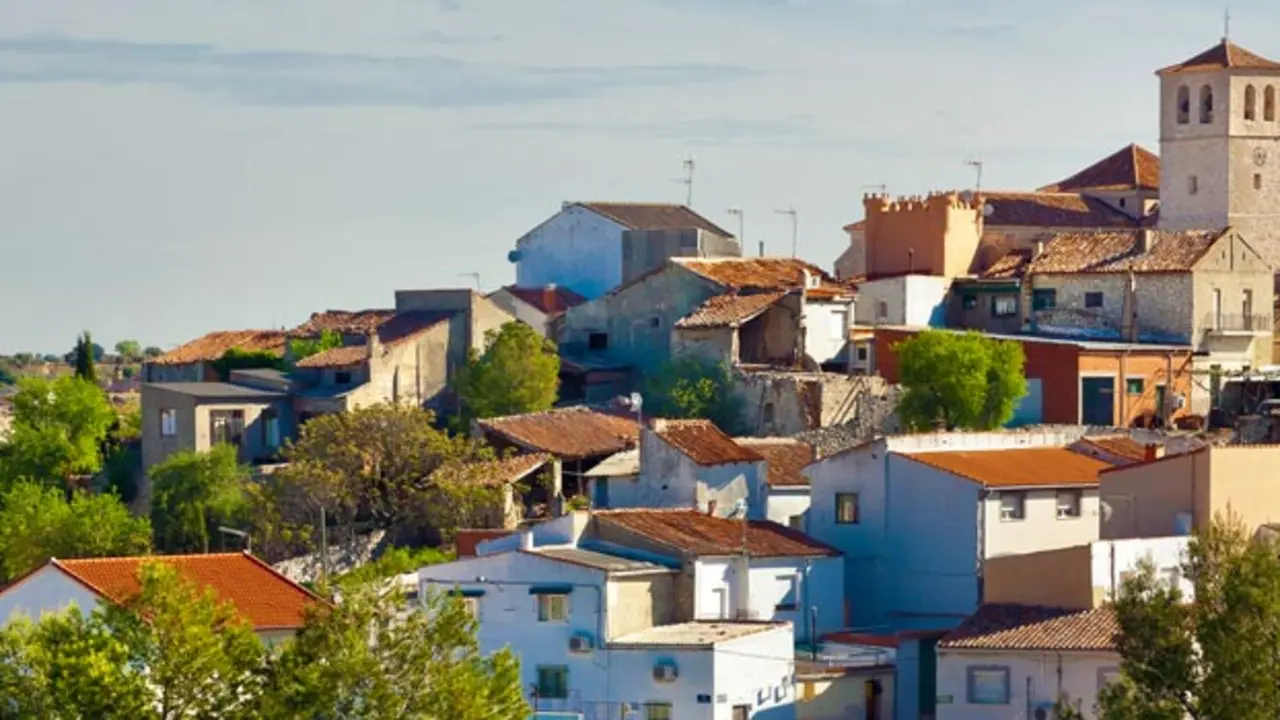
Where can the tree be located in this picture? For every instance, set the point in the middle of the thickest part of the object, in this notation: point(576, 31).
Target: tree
point(301, 348)
point(24, 359)
point(422, 665)
point(241, 359)
point(959, 380)
point(519, 372)
point(693, 387)
point(37, 523)
point(129, 350)
point(193, 493)
point(394, 561)
point(1215, 658)
point(87, 353)
point(57, 430)
point(151, 352)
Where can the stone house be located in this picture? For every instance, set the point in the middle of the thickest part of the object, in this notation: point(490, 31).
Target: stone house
point(539, 307)
point(193, 361)
point(593, 247)
point(178, 416)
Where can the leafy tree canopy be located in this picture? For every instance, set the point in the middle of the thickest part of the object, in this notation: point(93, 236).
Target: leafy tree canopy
point(84, 357)
point(58, 429)
point(519, 372)
point(192, 494)
point(959, 381)
point(129, 350)
point(306, 347)
point(394, 561)
point(241, 359)
point(690, 386)
point(152, 351)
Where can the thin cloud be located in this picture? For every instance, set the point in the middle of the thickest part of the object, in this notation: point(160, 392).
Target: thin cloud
point(701, 130)
point(293, 78)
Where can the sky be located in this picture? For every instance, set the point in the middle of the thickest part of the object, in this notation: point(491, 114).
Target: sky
point(172, 168)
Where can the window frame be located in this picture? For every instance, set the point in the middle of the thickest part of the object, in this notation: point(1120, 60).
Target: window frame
point(168, 422)
point(1077, 503)
point(649, 707)
point(998, 300)
point(545, 605)
point(841, 517)
point(561, 692)
point(1044, 299)
point(793, 592)
point(968, 301)
point(1129, 385)
point(1021, 496)
point(970, 678)
point(1094, 299)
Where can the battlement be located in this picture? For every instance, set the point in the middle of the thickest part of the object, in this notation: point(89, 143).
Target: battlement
point(936, 201)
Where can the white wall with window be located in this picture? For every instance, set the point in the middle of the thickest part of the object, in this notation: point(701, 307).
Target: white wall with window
point(1023, 520)
point(999, 685)
point(915, 300)
point(807, 592)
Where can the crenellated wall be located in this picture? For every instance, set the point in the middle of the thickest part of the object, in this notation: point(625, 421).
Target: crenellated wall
point(935, 234)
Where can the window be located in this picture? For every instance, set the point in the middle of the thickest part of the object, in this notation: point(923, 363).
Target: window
point(598, 341)
point(846, 508)
point(796, 522)
point(1135, 386)
point(1246, 306)
point(657, 711)
point(839, 323)
point(1093, 299)
point(226, 426)
point(789, 601)
point(1122, 202)
point(882, 310)
point(1184, 105)
point(168, 422)
point(1013, 505)
point(1044, 299)
point(1257, 181)
point(270, 428)
point(1193, 185)
point(1250, 103)
point(1269, 104)
point(553, 682)
point(741, 712)
point(1069, 504)
point(988, 684)
point(1206, 105)
point(655, 321)
point(553, 608)
point(342, 377)
point(1004, 305)
point(969, 302)
point(862, 352)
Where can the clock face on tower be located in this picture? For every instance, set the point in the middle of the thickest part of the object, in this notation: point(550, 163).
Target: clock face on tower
point(1259, 156)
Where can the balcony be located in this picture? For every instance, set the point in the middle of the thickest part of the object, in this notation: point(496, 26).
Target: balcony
point(1237, 324)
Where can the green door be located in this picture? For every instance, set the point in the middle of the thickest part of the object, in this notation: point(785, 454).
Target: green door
point(1098, 401)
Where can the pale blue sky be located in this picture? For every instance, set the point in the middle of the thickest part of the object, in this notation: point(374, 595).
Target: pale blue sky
point(169, 168)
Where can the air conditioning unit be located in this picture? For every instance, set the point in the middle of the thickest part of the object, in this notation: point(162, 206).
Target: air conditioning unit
point(1042, 711)
point(580, 644)
point(665, 673)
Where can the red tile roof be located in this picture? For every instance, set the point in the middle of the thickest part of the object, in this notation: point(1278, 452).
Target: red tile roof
point(267, 599)
point(1051, 210)
point(495, 473)
point(1223, 56)
point(549, 300)
point(787, 458)
point(345, 356)
point(1132, 167)
point(1012, 264)
point(761, 273)
point(697, 533)
point(352, 322)
point(469, 539)
point(1121, 252)
point(1000, 626)
point(729, 310)
point(702, 442)
point(568, 433)
point(392, 330)
point(1119, 446)
point(1016, 467)
point(214, 345)
point(654, 216)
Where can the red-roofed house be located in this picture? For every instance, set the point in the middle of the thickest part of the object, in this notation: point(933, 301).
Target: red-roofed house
point(274, 605)
point(537, 307)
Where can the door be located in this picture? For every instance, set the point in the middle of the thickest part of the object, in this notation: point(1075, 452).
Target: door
point(871, 696)
point(601, 499)
point(741, 712)
point(721, 596)
point(1097, 400)
point(1029, 409)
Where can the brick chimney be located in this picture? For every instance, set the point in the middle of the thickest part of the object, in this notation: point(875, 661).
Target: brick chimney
point(549, 297)
point(1153, 451)
point(1146, 239)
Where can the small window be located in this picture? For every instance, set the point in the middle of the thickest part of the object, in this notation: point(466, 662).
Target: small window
point(1257, 181)
point(1135, 386)
point(846, 508)
point(1193, 185)
point(1004, 305)
point(796, 522)
point(553, 608)
point(862, 352)
point(1013, 506)
point(553, 682)
point(1122, 202)
point(226, 427)
point(655, 321)
point(988, 685)
point(1184, 105)
point(1093, 299)
point(657, 711)
point(882, 310)
point(969, 302)
point(342, 377)
point(1069, 504)
point(1044, 299)
point(168, 422)
point(1250, 103)
point(598, 341)
point(270, 428)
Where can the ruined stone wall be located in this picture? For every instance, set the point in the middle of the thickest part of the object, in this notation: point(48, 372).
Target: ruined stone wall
point(787, 403)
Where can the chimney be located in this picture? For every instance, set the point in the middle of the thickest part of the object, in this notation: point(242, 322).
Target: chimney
point(711, 507)
point(1039, 249)
point(526, 540)
point(1146, 239)
point(372, 345)
point(761, 248)
point(1153, 451)
point(549, 297)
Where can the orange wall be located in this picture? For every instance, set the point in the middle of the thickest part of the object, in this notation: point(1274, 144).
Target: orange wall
point(934, 235)
point(1152, 367)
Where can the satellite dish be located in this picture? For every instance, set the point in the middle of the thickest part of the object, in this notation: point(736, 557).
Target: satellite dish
point(987, 209)
point(515, 256)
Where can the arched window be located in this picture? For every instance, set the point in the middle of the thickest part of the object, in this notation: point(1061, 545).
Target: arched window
point(1269, 104)
point(1184, 105)
point(1250, 103)
point(1206, 105)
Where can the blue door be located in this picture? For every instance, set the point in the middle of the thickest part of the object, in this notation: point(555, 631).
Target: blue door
point(1098, 401)
point(601, 496)
point(1029, 409)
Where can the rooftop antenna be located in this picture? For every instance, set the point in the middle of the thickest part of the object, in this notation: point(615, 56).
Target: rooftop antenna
point(473, 275)
point(1226, 23)
point(687, 181)
point(737, 212)
point(977, 166)
point(795, 227)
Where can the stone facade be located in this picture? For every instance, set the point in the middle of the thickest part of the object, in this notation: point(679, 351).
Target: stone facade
point(783, 403)
point(647, 250)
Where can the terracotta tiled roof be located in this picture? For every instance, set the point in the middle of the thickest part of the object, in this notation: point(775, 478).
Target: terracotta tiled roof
point(392, 330)
point(352, 322)
point(568, 433)
point(345, 356)
point(703, 442)
point(1223, 56)
point(1017, 467)
point(550, 300)
point(214, 345)
point(1121, 252)
point(495, 473)
point(1012, 265)
point(1000, 626)
point(468, 539)
point(1051, 210)
point(729, 310)
point(267, 599)
point(697, 533)
point(655, 216)
point(1131, 167)
point(787, 458)
point(1120, 446)
point(761, 273)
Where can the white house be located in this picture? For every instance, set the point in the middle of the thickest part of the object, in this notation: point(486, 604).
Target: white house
point(537, 307)
point(272, 603)
point(785, 492)
point(597, 633)
point(913, 300)
point(581, 247)
point(1016, 661)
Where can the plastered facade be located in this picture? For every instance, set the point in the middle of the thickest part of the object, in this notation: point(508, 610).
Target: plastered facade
point(936, 234)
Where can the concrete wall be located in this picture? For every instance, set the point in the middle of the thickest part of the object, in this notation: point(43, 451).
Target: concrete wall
point(646, 250)
point(1160, 300)
point(1035, 679)
point(784, 503)
point(776, 337)
point(826, 332)
point(853, 261)
point(1082, 576)
point(715, 344)
point(836, 696)
point(757, 671)
point(1041, 529)
point(776, 589)
point(640, 601)
point(917, 300)
point(1232, 269)
point(670, 479)
point(194, 428)
point(522, 311)
point(186, 372)
point(576, 248)
point(982, 315)
point(47, 590)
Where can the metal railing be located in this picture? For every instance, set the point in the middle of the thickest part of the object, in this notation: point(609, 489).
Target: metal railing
point(1237, 322)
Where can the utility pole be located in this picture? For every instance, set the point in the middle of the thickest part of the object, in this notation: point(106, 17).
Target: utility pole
point(795, 228)
point(737, 211)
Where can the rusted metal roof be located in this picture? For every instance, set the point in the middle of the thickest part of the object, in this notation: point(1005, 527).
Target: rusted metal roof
point(703, 442)
point(568, 433)
point(787, 458)
point(1132, 167)
point(1002, 626)
point(699, 534)
point(729, 310)
point(214, 345)
point(1016, 467)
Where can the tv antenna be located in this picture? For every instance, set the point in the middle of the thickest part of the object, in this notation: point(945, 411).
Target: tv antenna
point(1226, 23)
point(795, 227)
point(737, 212)
point(687, 181)
point(977, 166)
point(473, 275)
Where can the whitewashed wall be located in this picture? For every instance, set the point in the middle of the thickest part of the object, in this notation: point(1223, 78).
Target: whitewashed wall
point(1034, 679)
point(576, 248)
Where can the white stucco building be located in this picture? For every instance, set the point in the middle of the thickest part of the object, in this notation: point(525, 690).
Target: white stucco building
point(914, 300)
point(785, 489)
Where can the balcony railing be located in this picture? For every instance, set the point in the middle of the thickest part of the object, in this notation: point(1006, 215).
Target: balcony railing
point(1225, 322)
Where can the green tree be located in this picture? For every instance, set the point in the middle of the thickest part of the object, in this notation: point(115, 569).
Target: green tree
point(519, 372)
point(86, 355)
point(394, 561)
point(194, 492)
point(57, 431)
point(37, 523)
point(959, 380)
point(693, 387)
point(24, 359)
point(151, 352)
point(129, 350)
point(1215, 658)
point(306, 347)
point(241, 359)
point(421, 665)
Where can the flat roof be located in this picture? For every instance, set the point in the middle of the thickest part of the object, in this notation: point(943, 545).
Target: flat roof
point(693, 634)
point(598, 560)
point(1082, 344)
point(217, 391)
